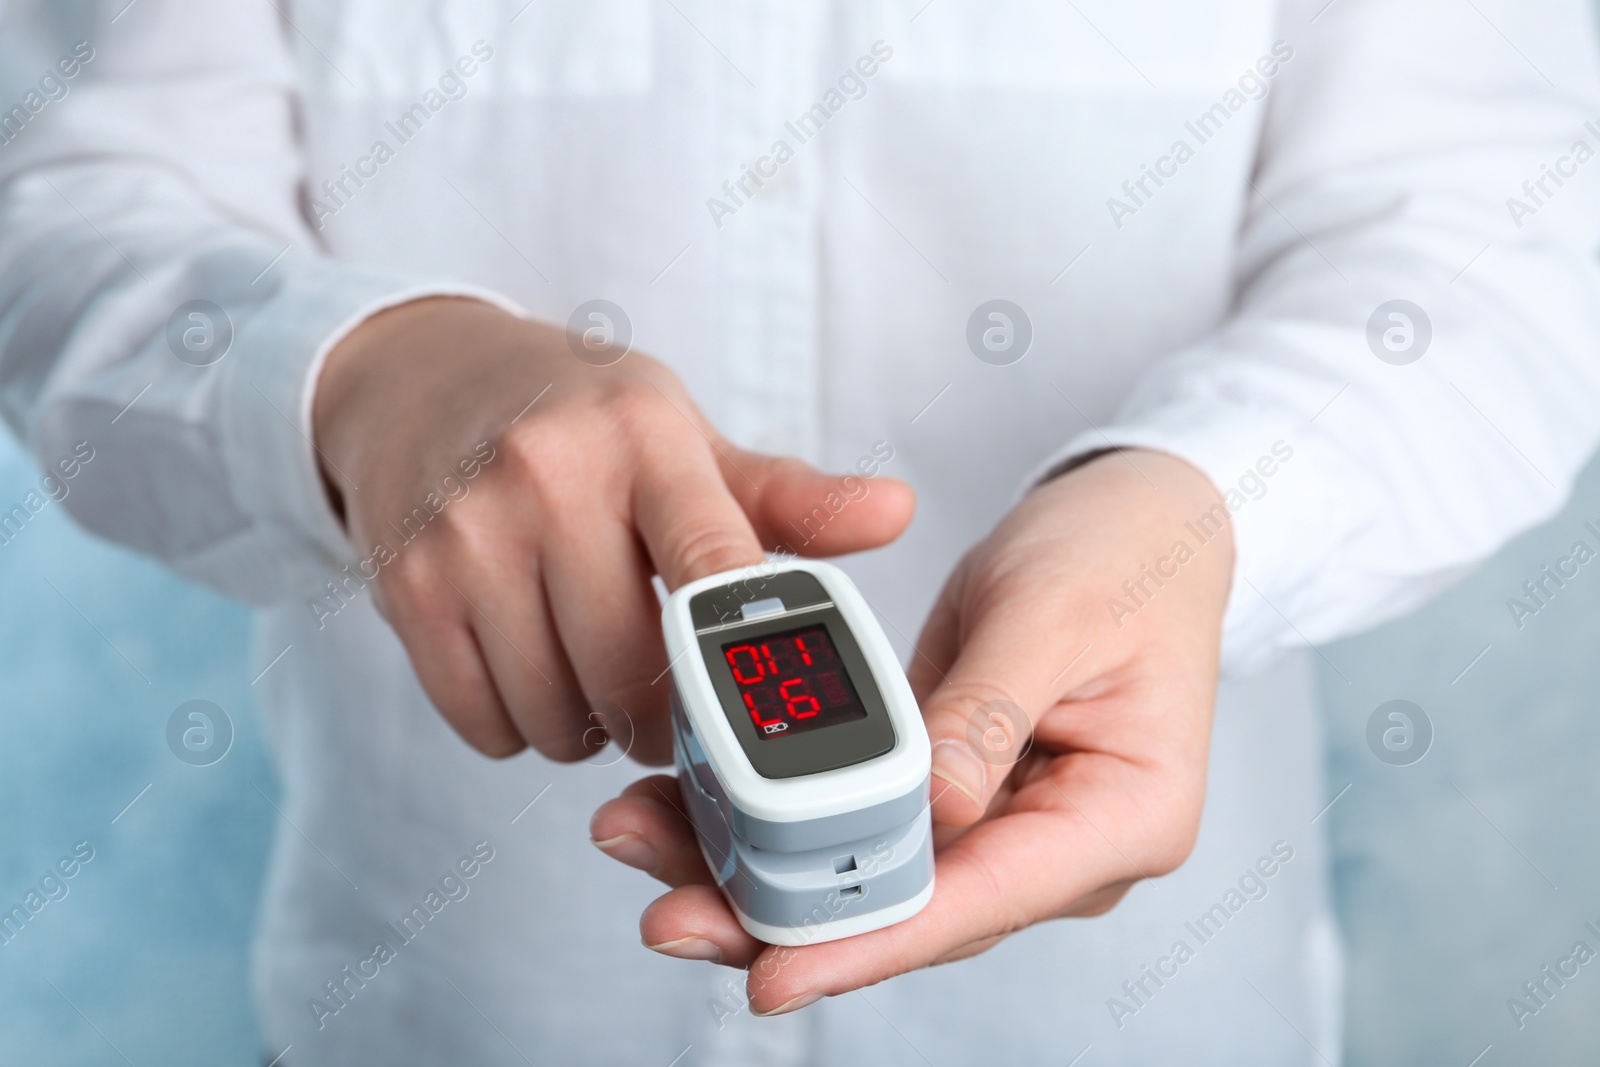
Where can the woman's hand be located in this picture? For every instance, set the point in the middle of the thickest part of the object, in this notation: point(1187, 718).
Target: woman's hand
point(522, 590)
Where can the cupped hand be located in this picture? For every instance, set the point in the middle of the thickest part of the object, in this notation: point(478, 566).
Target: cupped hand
point(1109, 788)
point(516, 501)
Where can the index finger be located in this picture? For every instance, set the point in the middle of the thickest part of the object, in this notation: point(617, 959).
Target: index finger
point(690, 522)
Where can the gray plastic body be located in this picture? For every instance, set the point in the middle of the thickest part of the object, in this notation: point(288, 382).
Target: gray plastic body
point(802, 876)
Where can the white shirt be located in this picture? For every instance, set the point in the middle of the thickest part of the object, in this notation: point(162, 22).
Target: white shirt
point(1198, 206)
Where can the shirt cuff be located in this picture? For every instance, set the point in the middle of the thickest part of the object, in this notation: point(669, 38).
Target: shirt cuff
point(1262, 467)
point(266, 399)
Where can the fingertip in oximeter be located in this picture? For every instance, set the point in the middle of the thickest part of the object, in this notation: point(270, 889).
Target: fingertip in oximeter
point(802, 755)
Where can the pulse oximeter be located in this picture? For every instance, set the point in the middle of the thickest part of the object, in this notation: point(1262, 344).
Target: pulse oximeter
point(802, 756)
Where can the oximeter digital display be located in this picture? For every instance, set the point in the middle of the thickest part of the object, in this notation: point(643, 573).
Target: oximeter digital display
point(792, 682)
point(801, 752)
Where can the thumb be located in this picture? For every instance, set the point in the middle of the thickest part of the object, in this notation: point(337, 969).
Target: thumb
point(980, 717)
point(792, 504)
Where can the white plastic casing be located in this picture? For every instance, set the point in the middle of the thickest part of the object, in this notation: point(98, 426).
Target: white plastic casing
point(822, 933)
point(814, 796)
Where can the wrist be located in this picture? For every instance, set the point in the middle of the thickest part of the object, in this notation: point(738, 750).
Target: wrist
point(1158, 515)
point(1188, 492)
point(391, 377)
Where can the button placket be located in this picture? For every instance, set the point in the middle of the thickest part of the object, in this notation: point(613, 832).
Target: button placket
point(769, 243)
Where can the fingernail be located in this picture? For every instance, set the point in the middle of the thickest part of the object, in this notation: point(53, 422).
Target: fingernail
point(688, 948)
point(789, 1005)
point(632, 850)
point(954, 762)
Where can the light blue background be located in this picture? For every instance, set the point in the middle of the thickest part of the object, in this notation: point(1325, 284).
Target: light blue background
point(149, 944)
point(1441, 867)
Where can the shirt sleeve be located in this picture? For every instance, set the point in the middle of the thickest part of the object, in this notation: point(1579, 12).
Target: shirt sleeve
point(1439, 154)
point(164, 307)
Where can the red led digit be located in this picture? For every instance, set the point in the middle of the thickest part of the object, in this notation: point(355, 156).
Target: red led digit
point(755, 712)
point(781, 656)
point(800, 643)
point(793, 702)
point(732, 656)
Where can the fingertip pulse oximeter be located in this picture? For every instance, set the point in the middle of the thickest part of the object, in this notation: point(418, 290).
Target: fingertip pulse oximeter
point(801, 752)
